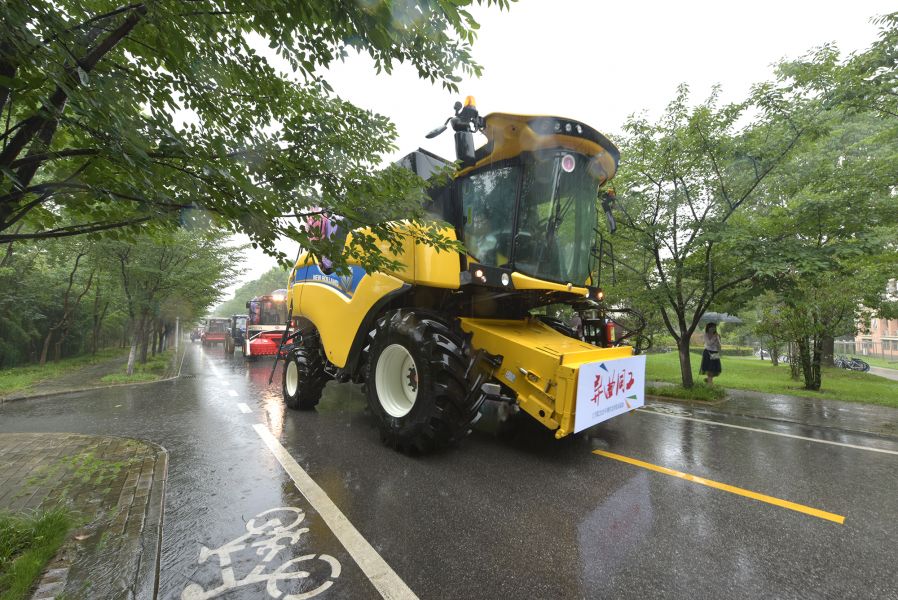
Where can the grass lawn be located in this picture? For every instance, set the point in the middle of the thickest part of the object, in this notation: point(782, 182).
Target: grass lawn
point(27, 543)
point(748, 373)
point(18, 378)
point(155, 368)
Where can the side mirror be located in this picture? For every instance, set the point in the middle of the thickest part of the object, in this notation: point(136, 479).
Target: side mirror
point(435, 132)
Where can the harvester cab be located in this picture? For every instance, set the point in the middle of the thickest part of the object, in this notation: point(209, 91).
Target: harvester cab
point(214, 331)
point(433, 340)
point(265, 324)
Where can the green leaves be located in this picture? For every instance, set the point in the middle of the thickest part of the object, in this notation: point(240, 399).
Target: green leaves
point(176, 108)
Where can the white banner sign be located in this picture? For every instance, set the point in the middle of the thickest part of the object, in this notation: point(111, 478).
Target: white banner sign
point(608, 388)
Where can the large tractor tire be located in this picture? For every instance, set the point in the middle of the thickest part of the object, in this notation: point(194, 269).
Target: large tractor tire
point(415, 382)
point(304, 377)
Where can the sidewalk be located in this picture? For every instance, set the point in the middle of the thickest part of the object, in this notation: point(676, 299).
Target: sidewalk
point(846, 416)
point(884, 372)
point(115, 488)
point(86, 378)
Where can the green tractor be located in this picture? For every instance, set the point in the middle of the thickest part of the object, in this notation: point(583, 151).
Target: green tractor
point(432, 341)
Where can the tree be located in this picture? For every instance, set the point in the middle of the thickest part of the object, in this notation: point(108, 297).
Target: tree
point(686, 181)
point(831, 218)
point(183, 271)
point(831, 222)
point(274, 279)
point(91, 93)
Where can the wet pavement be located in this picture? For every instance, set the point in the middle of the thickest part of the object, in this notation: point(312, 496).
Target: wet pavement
point(883, 372)
point(111, 487)
point(516, 514)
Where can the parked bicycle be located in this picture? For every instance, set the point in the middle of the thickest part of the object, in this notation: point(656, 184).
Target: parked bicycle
point(851, 363)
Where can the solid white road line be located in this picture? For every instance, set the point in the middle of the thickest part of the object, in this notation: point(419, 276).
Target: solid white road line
point(232, 393)
point(382, 577)
point(244, 408)
point(788, 435)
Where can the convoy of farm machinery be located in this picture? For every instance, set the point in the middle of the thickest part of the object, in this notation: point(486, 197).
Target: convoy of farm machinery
point(433, 341)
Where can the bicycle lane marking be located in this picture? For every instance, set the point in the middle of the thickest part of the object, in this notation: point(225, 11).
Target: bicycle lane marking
point(372, 564)
point(756, 430)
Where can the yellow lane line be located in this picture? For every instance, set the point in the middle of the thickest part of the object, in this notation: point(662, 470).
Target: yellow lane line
point(820, 514)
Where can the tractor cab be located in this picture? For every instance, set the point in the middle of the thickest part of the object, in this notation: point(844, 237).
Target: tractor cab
point(214, 331)
point(236, 334)
point(525, 205)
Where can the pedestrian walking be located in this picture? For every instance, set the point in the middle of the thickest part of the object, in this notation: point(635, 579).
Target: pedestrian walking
point(711, 366)
point(577, 325)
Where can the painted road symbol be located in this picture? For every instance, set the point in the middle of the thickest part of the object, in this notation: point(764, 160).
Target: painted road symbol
point(268, 534)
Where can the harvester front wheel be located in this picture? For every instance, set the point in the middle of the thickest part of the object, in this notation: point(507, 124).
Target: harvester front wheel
point(415, 382)
point(304, 378)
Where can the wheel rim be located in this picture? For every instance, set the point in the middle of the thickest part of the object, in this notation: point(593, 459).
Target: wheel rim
point(292, 379)
point(396, 380)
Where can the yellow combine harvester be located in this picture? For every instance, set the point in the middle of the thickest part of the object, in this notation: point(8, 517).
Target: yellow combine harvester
point(436, 339)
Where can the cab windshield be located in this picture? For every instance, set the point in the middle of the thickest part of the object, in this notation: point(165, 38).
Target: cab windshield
point(536, 215)
point(216, 326)
point(267, 312)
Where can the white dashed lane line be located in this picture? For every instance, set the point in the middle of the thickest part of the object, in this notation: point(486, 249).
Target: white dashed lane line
point(243, 407)
point(232, 393)
point(756, 430)
point(382, 577)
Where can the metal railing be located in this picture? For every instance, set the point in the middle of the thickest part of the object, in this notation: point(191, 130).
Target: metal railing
point(879, 349)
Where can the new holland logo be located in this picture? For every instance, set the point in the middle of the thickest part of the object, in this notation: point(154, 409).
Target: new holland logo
point(346, 282)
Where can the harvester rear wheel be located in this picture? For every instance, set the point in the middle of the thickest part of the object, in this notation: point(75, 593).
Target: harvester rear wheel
point(304, 378)
point(415, 382)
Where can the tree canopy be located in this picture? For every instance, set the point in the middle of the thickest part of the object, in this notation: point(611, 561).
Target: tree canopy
point(790, 192)
point(157, 113)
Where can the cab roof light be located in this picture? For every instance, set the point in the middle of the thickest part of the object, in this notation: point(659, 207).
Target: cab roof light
point(469, 101)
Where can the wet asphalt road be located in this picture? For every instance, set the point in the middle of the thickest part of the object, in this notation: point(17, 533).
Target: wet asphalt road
point(516, 515)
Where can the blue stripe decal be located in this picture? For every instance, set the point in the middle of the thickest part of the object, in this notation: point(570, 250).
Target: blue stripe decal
point(345, 284)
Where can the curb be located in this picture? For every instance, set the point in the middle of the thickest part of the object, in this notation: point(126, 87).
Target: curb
point(685, 401)
point(133, 569)
point(147, 583)
point(7, 399)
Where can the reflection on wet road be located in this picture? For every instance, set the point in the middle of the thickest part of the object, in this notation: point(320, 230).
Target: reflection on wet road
point(513, 514)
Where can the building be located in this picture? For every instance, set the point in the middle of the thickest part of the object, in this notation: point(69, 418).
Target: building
point(882, 337)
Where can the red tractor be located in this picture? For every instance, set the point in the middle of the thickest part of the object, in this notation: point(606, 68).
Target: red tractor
point(265, 324)
point(215, 331)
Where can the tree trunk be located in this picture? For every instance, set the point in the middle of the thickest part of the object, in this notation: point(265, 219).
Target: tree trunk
point(828, 349)
point(98, 325)
point(46, 347)
point(131, 356)
point(155, 341)
point(685, 361)
point(794, 361)
point(774, 355)
point(809, 353)
point(144, 340)
point(816, 357)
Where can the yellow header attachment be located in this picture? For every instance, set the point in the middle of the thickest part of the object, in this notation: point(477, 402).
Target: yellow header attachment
point(510, 135)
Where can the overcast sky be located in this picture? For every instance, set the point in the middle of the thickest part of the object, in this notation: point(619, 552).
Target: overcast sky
point(599, 62)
